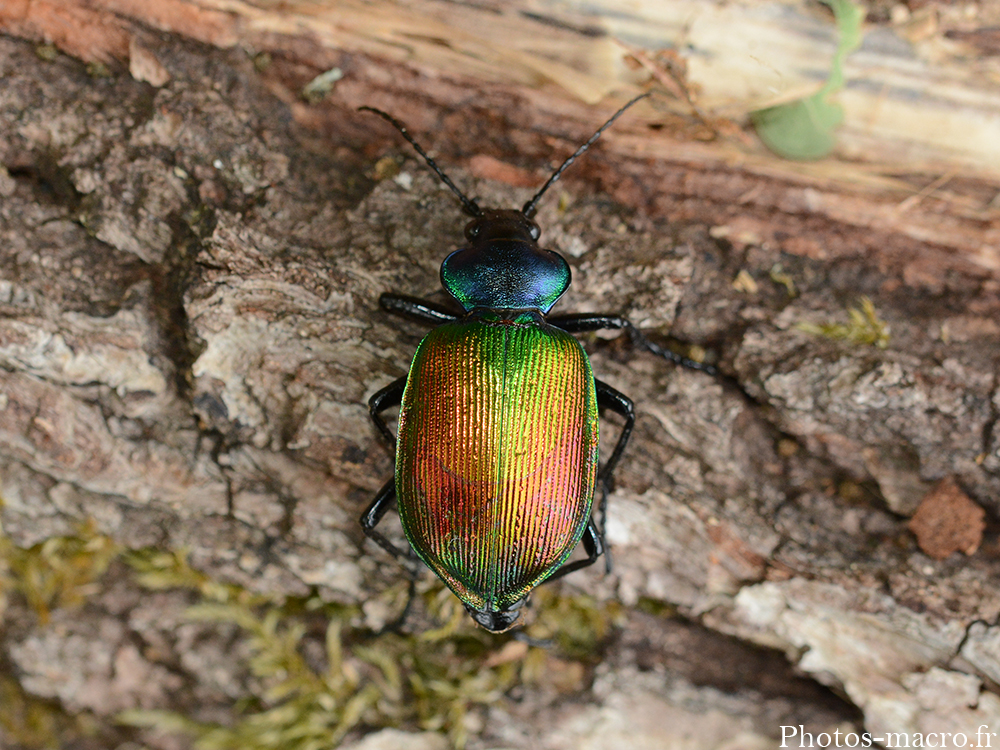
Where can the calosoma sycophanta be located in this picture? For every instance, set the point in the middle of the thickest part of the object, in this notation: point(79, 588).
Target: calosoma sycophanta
point(497, 447)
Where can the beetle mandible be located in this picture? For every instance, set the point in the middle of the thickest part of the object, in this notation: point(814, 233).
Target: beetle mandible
point(497, 447)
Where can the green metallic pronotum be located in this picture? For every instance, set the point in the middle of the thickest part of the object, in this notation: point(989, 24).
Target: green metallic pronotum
point(497, 454)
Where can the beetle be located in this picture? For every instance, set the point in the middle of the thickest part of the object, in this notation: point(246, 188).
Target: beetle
point(496, 456)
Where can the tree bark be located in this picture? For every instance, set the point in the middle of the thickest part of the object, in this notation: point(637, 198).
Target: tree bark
point(192, 258)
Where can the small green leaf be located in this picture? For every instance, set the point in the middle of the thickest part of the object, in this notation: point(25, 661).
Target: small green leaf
point(804, 128)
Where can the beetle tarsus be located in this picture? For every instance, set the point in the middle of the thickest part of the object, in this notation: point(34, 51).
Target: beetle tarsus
point(603, 509)
point(692, 364)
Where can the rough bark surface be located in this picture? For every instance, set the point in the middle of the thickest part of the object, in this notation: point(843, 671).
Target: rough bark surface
point(190, 331)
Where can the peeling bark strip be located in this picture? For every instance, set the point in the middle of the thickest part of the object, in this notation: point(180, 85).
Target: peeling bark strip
point(920, 133)
point(189, 329)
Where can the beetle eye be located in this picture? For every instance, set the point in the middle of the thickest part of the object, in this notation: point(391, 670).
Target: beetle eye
point(535, 232)
point(472, 231)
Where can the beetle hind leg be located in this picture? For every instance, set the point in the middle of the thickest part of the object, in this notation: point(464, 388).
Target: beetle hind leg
point(593, 544)
point(619, 403)
point(384, 499)
point(396, 624)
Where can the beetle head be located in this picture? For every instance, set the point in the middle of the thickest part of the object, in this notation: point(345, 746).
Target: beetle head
point(503, 266)
point(502, 224)
point(498, 621)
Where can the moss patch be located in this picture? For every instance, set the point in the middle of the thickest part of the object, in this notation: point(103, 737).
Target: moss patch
point(318, 671)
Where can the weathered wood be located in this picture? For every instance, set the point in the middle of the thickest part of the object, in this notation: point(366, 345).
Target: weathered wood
point(190, 330)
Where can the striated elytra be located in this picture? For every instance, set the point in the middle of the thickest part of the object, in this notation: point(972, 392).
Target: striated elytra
point(497, 451)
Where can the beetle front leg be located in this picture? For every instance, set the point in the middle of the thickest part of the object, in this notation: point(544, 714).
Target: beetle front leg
point(414, 307)
point(584, 322)
point(619, 403)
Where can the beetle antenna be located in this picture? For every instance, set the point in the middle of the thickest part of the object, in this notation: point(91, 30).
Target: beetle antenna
point(530, 206)
point(468, 205)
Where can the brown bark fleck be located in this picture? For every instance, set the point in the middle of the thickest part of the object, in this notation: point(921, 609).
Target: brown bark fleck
point(948, 521)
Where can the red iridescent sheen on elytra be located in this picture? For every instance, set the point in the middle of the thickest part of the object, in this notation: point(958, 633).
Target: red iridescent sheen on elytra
point(496, 458)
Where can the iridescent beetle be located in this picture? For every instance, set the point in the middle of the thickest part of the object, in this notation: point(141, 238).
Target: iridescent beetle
point(496, 457)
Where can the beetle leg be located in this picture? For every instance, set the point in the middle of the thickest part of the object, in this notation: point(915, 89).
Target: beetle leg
point(594, 546)
point(396, 625)
point(619, 403)
point(384, 399)
point(413, 307)
point(603, 506)
point(583, 322)
point(384, 500)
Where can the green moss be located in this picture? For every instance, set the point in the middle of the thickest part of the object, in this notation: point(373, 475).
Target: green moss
point(159, 570)
point(433, 680)
point(864, 327)
point(97, 69)
point(778, 276)
point(319, 672)
point(59, 572)
point(656, 607)
point(262, 61)
point(27, 721)
point(47, 52)
point(578, 624)
point(298, 707)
